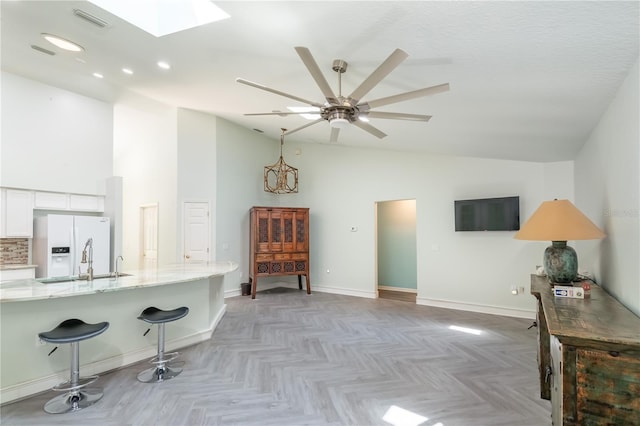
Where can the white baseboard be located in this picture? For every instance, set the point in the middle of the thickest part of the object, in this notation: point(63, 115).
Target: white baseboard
point(402, 289)
point(345, 291)
point(471, 307)
point(232, 293)
point(461, 306)
point(29, 388)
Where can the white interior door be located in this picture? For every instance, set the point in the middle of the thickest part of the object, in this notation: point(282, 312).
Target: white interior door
point(149, 234)
point(196, 232)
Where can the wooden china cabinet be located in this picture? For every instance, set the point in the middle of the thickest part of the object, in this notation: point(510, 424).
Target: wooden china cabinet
point(279, 244)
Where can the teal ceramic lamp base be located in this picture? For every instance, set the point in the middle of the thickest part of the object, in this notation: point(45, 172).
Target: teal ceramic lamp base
point(560, 262)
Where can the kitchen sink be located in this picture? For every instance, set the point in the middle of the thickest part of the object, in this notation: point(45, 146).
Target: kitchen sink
point(56, 280)
point(111, 275)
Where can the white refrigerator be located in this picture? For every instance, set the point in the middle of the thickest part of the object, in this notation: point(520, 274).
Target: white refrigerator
point(58, 242)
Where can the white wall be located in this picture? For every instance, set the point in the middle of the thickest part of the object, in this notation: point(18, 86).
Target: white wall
point(145, 155)
point(52, 139)
point(196, 173)
point(608, 191)
point(241, 157)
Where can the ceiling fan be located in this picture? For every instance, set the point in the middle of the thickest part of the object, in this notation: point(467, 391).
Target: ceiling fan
point(339, 110)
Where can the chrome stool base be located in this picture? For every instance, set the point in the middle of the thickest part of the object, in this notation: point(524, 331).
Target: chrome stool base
point(160, 373)
point(73, 401)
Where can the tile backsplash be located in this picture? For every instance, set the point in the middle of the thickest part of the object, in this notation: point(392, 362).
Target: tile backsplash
point(14, 251)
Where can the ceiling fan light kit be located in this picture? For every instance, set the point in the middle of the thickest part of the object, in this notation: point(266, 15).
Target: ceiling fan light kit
point(341, 111)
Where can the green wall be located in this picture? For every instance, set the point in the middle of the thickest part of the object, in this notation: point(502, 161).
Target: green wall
point(397, 260)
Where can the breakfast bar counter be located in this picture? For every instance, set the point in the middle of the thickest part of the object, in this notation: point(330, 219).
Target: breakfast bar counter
point(28, 307)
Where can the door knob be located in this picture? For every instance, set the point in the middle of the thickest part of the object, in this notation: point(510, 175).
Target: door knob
point(187, 256)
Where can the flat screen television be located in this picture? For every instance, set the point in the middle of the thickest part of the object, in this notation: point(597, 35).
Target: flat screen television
point(488, 214)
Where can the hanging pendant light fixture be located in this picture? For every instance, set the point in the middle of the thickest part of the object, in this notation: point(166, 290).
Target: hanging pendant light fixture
point(280, 178)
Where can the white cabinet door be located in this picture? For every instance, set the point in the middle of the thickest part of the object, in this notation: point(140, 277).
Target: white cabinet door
point(85, 203)
point(51, 201)
point(17, 213)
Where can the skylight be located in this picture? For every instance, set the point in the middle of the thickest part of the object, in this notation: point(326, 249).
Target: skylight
point(162, 17)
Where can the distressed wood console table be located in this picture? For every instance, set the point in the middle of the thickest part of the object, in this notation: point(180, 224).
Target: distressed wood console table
point(588, 357)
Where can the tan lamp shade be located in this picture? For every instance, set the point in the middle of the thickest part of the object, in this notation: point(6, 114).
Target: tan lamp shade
point(558, 220)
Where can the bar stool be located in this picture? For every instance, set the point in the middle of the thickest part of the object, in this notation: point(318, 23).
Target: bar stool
point(164, 369)
point(78, 395)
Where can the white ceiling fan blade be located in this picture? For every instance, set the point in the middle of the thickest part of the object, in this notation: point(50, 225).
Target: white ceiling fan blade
point(369, 128)
point(305, 126)
point(277, 92)
point(405, 96)
point(397, 116)
point(317, 75)
point(335, 132)
point(282, 113)
point(381, 72)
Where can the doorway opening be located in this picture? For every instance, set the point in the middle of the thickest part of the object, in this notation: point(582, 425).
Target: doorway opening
point(396, 254)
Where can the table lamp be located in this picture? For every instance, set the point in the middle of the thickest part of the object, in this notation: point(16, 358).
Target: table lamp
point(559, 221)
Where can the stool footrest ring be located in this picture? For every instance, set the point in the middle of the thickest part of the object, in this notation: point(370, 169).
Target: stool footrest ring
point(68, 386)
point(167, 358)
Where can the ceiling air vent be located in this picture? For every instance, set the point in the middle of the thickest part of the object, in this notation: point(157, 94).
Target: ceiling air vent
point(90, 18)
point(42, 50)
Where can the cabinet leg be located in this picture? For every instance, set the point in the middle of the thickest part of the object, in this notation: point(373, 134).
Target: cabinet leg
point(299, 282)
point(254, 284)
point(308, 284)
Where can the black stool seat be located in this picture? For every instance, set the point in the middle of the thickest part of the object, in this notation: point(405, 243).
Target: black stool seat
point(154, 315)
point(73, 330)
point(77, 393)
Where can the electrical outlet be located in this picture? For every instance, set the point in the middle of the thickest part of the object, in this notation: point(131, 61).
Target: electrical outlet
point(521, 290)
point(39, 341)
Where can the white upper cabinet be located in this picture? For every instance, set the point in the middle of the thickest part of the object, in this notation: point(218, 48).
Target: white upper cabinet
point(50, 201)
point(16, 213)
point(69, 202)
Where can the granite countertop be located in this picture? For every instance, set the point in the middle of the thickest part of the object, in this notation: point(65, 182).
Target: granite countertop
point(32, 289)
point(16, 266)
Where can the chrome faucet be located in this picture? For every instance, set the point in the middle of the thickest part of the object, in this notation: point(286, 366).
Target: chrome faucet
point(118, 273)
point(89, 245)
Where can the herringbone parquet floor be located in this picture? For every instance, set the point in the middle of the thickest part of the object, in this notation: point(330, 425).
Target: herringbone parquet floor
point(292, 359)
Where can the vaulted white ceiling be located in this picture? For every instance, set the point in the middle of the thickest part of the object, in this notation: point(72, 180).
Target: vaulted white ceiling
point(529, 80)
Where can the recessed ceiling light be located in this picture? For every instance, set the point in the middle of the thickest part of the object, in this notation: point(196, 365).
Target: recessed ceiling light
point(98, 75)
point(127, 71)
point(164, 65)
point(62, 43)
